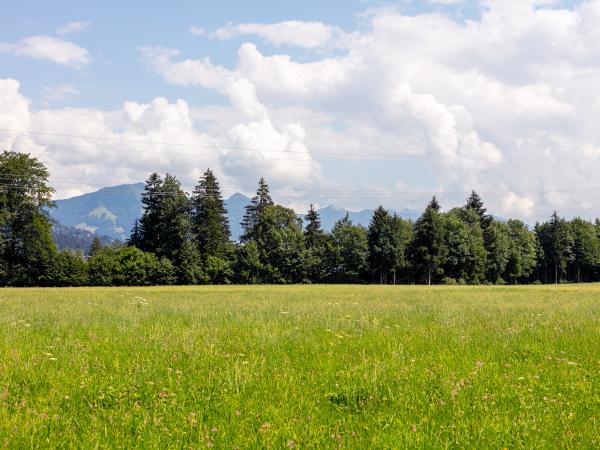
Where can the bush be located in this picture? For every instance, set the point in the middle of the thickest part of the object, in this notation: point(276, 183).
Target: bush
point(67, 268)
point(448, 281)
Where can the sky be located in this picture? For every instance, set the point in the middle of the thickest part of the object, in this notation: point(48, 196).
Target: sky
point(348, 102)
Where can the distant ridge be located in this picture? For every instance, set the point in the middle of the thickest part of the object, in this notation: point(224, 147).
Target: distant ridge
point(111, 211)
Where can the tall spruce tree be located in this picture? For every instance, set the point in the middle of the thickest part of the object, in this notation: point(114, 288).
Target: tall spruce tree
point(383, 254)
point(209, 217)
point(313, 232)
point(429, 247)
point(147, 234)
point(475, 204)
point(174, 213)
point(314, 243)
point(26, 247)
point(253, 210)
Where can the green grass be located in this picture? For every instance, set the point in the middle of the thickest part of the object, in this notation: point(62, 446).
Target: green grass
point(301, 366)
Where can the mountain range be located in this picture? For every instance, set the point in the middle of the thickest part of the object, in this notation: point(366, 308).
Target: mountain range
point(111, 212)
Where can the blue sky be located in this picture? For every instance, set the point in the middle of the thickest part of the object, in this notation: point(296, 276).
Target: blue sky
point(117, 29)
point(448, 91)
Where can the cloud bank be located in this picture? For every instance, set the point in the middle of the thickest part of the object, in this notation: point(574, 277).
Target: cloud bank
point(506, 104)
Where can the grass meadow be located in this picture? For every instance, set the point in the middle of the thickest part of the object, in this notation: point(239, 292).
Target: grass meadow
point(300, 367)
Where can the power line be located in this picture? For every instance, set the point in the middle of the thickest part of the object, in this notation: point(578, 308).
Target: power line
point(284, 151)
point(358, 194)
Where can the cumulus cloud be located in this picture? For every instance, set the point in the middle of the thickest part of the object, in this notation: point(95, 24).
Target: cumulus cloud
point(503, 104)
point(292, 32)
point(51, 49)
point(60, 92)
point(126, 144)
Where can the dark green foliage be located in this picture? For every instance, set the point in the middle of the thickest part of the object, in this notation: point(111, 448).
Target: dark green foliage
point(67, 268)
point(95, 248)
point(259, 202)
point(429, 250)
point(475, 204)
point(26, 247)
point(389, 237)
point(556, 240)
point(522, 256)
point(466, 255)
point(382, 251)
point(189, 264)
point(314, 239)
point(248, 267)
point(497, 244)
point(146, 231)
point(347, 253)
point(586, 250)
point(129, 266)
point(278, 234)
point(209, 217)
point(183, 240)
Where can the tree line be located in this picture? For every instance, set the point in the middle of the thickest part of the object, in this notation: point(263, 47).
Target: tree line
point(185, 239)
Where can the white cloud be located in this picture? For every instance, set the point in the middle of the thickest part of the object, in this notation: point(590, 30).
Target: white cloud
point(72, 27)
point(49, 48)
point(506, 104)
point(292, 32)
point(127, 144)
point(503, 104)
point(60, 92)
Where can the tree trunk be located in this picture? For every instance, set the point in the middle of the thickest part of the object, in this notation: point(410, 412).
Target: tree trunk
point(555, 272)
point(429, 277)
point(394, 272)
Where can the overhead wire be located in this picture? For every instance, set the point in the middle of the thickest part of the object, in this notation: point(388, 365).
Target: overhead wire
point(269, 150)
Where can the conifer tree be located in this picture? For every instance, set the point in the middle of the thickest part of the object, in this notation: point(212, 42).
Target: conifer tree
point(209, 217)
point(474, 203)
point(253, 210)
point(136, 238)
point(382, 249)
point(174, 213)
point(147, 235)
point(429, 248)
point(313, 232)
point(314, 239)
point(96, 247)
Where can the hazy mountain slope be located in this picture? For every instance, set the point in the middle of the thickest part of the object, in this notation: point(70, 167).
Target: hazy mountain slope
point(112, 211)
point(69, 238)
